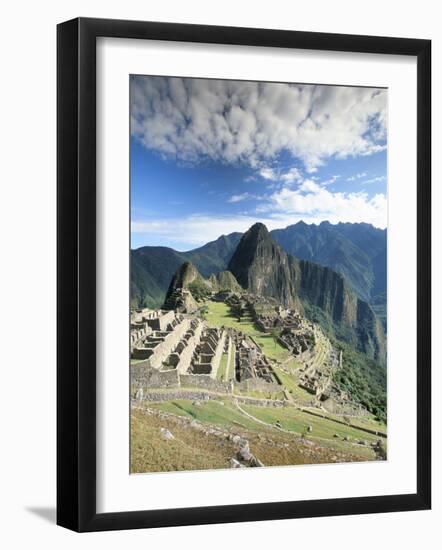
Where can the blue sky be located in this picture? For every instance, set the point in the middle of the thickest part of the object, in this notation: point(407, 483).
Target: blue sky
point(213, 157)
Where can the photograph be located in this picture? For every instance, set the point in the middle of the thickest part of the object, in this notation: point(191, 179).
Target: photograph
point(258, 274)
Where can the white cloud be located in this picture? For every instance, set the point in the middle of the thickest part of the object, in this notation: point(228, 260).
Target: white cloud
point(268, 174)
point(193, 230)
point(357, 176)
point(196, 230)
point(277, 175)
point(242, 197)
point(310, 203)
point(313, 202)
point(291, 176)
point(331, 180)
point(376, 179)
point(249, 122)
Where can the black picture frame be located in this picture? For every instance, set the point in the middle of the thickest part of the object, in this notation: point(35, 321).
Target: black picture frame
point(76, 273)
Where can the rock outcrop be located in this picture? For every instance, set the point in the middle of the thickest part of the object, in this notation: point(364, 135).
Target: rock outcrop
point(178, 296)
point(188, 286)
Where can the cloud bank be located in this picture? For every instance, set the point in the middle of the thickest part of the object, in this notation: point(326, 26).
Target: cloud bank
point(252, 122)
point(313, 202)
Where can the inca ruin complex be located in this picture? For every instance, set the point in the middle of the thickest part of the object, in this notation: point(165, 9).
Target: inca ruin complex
point(242, 339)
point(172, 348)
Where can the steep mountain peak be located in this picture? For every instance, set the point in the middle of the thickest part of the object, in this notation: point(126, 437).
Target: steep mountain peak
point(177, 296)
point(261, 266)
point(258, 229)
point(185, 275)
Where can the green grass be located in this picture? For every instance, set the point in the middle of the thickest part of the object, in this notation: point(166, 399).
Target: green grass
point(222, 369)
point(293, 364)
point(209, 411)
point(290, 419)
point(290, 382)
point(369, 422)
point(219, 315)
point(297, 421)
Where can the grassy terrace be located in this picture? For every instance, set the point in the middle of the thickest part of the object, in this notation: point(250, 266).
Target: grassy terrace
point(297, 421)
point(212, 412)
point(226, 415)
point(222, 373)
point(369, 422)
point(193, 450)
point(219, 315)
point(290, 382)
point(289, 418)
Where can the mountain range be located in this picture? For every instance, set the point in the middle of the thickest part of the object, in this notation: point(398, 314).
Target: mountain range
point(261, 266)
point(358, 251)
point(355, 250)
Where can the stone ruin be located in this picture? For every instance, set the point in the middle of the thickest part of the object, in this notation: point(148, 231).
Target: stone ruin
point(181, 300)
point(249, 360)
point(169, 340)
point(319, 380)
point(207, 355)
point(181, 356)
point(279, 318)
point(297, 342)
point(143, 322)
point(168, 345)
point(163, 331)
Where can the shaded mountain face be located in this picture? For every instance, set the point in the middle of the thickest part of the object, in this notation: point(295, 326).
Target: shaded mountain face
point(262, 267)
point(355, 250)
point(328, 300)
point(152, 267)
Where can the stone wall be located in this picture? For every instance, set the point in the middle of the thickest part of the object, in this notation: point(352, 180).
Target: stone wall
point(205, 382)
point(187, 353)
point(162, 351)
point(216, 359)
point(261, 402)
point(144, 376)
point(161, 320)
point(257, 384)
point(192, 395)
point(344, 408)
point(138, 331)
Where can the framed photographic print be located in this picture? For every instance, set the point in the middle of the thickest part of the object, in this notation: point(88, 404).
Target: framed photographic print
point(243, 274)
